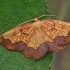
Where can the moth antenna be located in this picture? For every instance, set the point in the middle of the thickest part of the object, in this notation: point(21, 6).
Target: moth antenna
point(28, 21)
point(46, 15)
point(36, 19)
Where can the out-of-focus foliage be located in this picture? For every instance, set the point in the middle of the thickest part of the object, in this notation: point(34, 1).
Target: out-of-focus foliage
point(12, 13)
point(60, 8)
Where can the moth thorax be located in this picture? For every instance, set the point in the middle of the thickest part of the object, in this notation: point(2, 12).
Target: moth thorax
point(37, 24)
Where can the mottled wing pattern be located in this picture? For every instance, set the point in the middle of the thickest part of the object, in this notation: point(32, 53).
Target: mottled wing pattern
point(19, 33)
point(36, 39)
point(16, 38)
point(56, 28)
point(59, 32)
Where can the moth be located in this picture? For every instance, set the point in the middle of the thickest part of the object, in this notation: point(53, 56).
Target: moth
point(35, 39)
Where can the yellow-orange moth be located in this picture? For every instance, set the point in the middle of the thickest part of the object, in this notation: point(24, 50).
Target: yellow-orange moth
point(35, 39)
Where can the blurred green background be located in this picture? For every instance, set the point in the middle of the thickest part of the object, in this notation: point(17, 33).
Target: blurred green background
point(12, 13)
point(60, 8)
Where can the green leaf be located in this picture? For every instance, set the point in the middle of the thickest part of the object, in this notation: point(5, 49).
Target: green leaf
point(12, 13)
